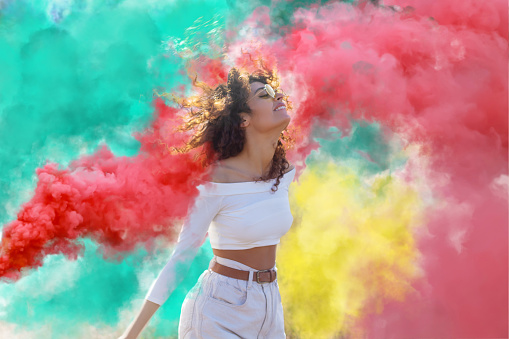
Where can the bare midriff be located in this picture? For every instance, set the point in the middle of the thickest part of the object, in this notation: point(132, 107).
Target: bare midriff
point(260, 258)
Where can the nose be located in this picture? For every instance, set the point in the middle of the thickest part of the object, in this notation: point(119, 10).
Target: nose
point(279, 96)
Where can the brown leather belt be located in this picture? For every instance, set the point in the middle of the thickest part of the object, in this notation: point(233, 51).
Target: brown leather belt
point(261, 277)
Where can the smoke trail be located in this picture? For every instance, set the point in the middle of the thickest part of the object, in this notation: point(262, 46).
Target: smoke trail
point(434, 73)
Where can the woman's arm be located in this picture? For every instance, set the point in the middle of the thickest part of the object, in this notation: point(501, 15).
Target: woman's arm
point(141, 320)
point(191, 238)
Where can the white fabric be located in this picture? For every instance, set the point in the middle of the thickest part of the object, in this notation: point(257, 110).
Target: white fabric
point(222, 307)
point(236, 215)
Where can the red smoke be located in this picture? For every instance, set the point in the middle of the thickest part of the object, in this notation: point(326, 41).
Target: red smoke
point(117, 201)
point(433, 71)
point(436, 73)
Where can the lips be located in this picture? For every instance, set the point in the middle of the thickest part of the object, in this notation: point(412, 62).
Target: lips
point(279, 105)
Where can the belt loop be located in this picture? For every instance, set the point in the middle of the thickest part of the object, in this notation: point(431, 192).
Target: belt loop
point(250, 280)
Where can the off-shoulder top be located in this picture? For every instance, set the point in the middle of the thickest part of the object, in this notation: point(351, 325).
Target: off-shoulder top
point(236, 216)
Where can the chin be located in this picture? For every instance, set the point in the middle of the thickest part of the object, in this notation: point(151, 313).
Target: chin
point(286, 122)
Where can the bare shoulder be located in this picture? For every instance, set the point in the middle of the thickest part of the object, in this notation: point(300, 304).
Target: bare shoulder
point(218, 173)
point(224, 172)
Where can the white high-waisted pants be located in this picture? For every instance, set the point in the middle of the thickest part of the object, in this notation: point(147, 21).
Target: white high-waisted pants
point(222, 307)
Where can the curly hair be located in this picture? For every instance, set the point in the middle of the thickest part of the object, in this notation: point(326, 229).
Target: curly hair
point(216, 120)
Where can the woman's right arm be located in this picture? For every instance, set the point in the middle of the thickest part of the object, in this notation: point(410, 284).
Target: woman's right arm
point(141, 320)
point(191, 238)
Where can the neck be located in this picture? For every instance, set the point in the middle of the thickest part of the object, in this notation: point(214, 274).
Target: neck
point(258, 152)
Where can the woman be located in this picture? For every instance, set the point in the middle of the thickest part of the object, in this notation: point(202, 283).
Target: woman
point(244, 208)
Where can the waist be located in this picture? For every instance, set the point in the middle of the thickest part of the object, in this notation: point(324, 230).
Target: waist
point(236, 270)
point(256, 258)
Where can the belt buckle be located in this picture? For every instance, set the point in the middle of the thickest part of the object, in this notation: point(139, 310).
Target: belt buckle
point(258, 277)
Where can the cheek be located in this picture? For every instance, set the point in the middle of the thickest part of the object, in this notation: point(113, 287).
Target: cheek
point(264, 115)
point(266, 108)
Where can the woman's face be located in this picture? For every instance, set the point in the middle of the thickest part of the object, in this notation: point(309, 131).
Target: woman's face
point(264, 117)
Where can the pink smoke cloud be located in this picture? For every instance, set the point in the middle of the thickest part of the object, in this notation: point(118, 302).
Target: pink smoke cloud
point(436, 73)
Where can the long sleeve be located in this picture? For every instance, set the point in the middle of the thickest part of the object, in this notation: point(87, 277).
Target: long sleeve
point(191, 238)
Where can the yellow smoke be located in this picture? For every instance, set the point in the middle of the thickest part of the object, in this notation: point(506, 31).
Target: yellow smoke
point(350, 249)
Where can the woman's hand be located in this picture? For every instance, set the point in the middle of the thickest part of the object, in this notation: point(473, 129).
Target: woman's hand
point(140, 321)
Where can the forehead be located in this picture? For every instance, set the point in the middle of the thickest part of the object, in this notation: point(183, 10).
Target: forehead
point(255, 85)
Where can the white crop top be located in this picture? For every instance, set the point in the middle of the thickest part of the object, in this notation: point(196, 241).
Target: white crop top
point(237, 216)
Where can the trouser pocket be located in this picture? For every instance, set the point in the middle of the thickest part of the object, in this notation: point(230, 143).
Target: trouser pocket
point(228, 295)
